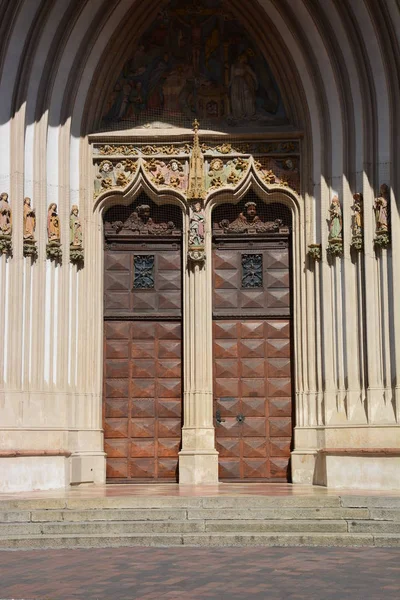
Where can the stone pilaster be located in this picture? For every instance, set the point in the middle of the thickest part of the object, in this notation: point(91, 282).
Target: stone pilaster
point(198, 459)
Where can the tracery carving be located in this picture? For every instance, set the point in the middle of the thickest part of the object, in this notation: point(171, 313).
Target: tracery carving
point(140, 222)
point(5, 225)
point(382, 218)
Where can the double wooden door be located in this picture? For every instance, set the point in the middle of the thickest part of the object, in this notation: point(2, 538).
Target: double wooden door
point(252, 357)
point(142, 408)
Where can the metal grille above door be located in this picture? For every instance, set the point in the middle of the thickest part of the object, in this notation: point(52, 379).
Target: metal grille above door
point(252, 340)
point(142, 406)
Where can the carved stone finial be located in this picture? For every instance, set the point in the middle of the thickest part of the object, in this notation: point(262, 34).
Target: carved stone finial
point(5, 225)
point(196, 189)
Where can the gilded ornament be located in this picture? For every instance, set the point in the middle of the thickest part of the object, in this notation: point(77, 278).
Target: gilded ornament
point(216, 165)
point(216, 182)
point(224, 148)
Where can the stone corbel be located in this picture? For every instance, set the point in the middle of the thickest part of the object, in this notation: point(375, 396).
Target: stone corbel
point(314, 251)
point(54, 251)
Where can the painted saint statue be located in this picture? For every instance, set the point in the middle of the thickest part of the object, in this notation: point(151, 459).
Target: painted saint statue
point(75, 228)
point(53, 224)
point(381, 208)
point(5, 215)
point(29, 220)
point(335, 220)
point(197, 225)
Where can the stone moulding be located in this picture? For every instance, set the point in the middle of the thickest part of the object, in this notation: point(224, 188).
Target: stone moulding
point(314, 251)
point(54, 251)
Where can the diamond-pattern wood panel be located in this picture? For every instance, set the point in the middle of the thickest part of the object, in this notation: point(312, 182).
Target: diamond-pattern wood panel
point(142, 399)
point(120, 297)
point(271, 296)
point(252, 381)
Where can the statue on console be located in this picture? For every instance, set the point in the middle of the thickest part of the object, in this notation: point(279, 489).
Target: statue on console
point(381, 209)
point(357, 222)
point(75, 236)
point(335, 237)
point(29, 246)
point(53, 248)
point(5, 225)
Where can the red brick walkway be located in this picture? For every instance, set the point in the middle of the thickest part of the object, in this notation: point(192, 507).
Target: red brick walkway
point(200, 573)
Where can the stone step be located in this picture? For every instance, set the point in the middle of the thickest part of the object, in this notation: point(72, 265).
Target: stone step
point(200, 539)
point(167, 502)
point(280, 513)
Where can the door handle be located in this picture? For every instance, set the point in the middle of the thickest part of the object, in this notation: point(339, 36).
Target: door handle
point(218, 418)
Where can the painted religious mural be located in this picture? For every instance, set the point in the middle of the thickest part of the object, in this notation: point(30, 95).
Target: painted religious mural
point(195, 60)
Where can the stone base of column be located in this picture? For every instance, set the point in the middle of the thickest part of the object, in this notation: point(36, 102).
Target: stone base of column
point(198, 467)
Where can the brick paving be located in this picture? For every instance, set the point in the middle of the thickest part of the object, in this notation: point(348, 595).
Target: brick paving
point(200, 573)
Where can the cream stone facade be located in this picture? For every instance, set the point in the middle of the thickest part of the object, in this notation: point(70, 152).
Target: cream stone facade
point(336, 68)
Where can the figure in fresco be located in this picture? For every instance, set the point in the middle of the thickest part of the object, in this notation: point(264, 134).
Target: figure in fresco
point(195, 59)
point(335, 220)
point(243, 87)
point(381, 207)
point(5, 215)
point(53, 224)
point(29, 220)
point(197, 225)
point(75, 227)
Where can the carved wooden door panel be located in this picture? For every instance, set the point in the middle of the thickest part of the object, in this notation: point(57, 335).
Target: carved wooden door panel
point(252, 355)
point(142, 408)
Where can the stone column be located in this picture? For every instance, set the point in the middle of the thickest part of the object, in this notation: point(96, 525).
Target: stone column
point(198, 459)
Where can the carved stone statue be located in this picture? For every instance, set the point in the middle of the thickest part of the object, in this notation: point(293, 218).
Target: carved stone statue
point(335, 220)
point(197, 225)
point(335, 237)
point(75, 236)
point(139, 222)
point(357, 222)
point(53, 224)
point(75, 228)
point(5, 215)
point(5, 225)
point(29, 220)
point(381, 208)
point(53, 248)
point(249, 222)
